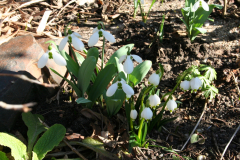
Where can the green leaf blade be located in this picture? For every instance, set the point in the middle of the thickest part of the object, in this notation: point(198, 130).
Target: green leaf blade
point(49, 140)
point(103, 79)
point(85, 73)
point(140, 72)
point(18, 149)
point(3, 156)
point(35, 127)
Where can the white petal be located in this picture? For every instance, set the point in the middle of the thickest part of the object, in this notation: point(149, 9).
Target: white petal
point(95, 29)
point(154, 79)
point(93, 39)
point(127, 89)
point(205, 6)
point(195, 83)
point(108, 36)
point(43, 60)
point(122, 58)
point(77, 43)
point(171, 105)
point(195, 6)
point(147, 113)
point(77, 35)
point(128, 65)
point(63, 43)
point(154, 100)
point(137, 58)
point(133, 114)
point(185, 85)
point(112, 89)
point(58, 59)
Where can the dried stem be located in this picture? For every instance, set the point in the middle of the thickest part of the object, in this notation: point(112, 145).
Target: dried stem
point(205, 106)
point(230, 141)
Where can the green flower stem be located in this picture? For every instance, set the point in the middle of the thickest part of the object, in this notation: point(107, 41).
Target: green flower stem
point(74, 55)
point(140, 129)
point(141, 108)
point(135, 8)
point(131, 124)
point(103, 52)
point(170, 95)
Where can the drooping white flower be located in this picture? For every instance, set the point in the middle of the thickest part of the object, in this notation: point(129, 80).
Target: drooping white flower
point(99, 33)
point(77, 43)
point(125, 87)
point(185, 85)
point(52, 53)
point(195, 84)
point(133, 114)
point(154, 79)
point(154, 100)
point(201, 3)
point(147, 113)
point(171, 105)
point(128, 64)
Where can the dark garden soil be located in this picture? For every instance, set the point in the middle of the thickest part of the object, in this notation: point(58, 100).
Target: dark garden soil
point(219, 47)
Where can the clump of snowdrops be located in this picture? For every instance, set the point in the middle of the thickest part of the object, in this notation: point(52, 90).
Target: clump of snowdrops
point(120, 72)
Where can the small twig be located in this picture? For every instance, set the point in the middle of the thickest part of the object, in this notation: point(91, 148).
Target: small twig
point(236, 83)
point(205, 106)
point(19, 107)
point(71, 147)
point(72, 1)
point(230, 141)
point(25, 78)
point(28, 3)
point(139, 149)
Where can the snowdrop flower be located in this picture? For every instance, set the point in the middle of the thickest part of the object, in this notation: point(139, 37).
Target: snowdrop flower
point(154, 79)
point(72, 37)
point(52, 53)
point(133, 114)
point(100, 33)
point(154, 100)
point(185, 85)
point(201, 3)
point(121, 85)
point(128, 64)
point(171, 105)
point(195, 84)
point(147, 113)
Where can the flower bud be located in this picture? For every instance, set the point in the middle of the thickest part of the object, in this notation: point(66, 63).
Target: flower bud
point(195, 84)
point(147, 113)
point(133, 114)
point(154, 100)
point(171, 105)
point(185, 85)
point(154, 79)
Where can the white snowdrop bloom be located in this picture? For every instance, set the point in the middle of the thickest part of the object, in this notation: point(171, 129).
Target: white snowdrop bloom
point(195, 84)
point(77, 43)
point(154, 100)
point(99, 33)
point(185, 85)
point(128, 64)
point(171, 105)
point(154, 79)
point(125, 87)
point(147, 113)
point(133, 114)
point(201, 3)
point(52, 53)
